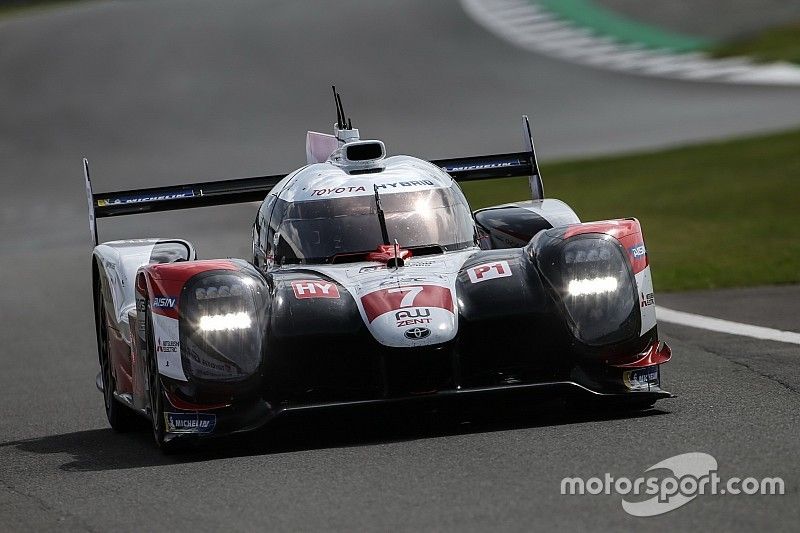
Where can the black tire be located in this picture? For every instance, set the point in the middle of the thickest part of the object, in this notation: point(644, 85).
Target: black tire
point(156, 394)
point(120, 417)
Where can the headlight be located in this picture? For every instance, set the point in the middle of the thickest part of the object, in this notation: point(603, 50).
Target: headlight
point(586, 287)
point(594, 282)
point(221, 329)
point(227, 322)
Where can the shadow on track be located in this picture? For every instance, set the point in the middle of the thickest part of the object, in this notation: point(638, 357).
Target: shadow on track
point(104, 449)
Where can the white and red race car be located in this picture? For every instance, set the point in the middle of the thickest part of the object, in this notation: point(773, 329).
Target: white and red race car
point(371, 281)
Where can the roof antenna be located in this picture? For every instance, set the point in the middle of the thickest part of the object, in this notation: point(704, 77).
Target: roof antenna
point(341, 107)
point(343, 129)
point(339, 117)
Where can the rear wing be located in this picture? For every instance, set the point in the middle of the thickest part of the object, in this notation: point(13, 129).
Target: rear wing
point(233, 191)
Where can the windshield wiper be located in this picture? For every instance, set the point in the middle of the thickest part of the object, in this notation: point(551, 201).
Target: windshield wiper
point(381, 217)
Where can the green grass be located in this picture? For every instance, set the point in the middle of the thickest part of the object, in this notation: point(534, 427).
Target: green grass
point(15, 7)
point(714, 215)
point(776, 44)
point(603, 21)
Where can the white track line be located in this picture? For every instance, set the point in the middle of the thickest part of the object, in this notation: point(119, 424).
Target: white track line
point(725, 326)
point(524, 24)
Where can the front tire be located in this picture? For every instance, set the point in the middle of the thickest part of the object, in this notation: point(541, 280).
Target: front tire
point(120, 417)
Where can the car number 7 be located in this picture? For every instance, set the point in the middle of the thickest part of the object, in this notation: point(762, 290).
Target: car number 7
point(408, 298)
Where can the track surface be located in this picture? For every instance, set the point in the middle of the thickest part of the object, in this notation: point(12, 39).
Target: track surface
point(162, 92)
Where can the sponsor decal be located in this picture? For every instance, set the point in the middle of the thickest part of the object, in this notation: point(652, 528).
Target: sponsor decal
point(414, 183)
point(397, 281)
point(412, 317)
point(642, 378)
point(141, 306)
point(417, 333)
point(190, 422)
point(644, 284)
point(145, 198)
point(383, 301)
point(337, 190)
point(638, 251)
point(486, 271)
point(372, 268)
point(210, 368)
point(412, 313)
point(509, 240)
point(114, 277)
point(415, 264)
point(495, 164)
point(647, 299)
point(304, 289)
point(164, 302)
point(167, 346)
point(412, 322)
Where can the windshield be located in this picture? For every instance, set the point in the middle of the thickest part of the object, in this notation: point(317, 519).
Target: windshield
point(324, 231)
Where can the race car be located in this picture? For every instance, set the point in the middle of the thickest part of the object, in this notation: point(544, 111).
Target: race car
point(371, 281)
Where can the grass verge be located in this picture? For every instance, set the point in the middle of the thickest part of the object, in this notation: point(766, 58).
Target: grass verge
point(603, 21)
point(724, 214)
point(776, 44)
point(14, 7)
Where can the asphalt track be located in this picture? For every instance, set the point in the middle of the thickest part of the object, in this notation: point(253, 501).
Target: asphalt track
point(163, 92)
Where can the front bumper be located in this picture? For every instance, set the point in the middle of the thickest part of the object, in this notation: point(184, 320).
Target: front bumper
point(238, 419)
point(633, 381)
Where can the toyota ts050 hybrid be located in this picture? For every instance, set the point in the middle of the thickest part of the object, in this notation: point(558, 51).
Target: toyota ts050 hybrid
point(370, 281)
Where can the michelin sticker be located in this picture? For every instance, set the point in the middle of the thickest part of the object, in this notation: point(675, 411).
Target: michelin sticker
point(190, 422)
point(145, 198)
point(642, 378)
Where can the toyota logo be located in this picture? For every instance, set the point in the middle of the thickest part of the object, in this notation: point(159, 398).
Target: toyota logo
point(417, 333)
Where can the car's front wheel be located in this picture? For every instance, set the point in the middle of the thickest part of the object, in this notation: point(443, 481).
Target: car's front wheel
point(120, 417)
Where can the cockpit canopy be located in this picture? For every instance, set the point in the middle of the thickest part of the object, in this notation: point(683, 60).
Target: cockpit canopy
point(345, 228)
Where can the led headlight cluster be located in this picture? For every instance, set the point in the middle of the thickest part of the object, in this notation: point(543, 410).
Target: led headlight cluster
point(591, 286)
point(224, 291)
point(593, 281)
point(226, 322)
point(220, 334)
point(580, 255)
